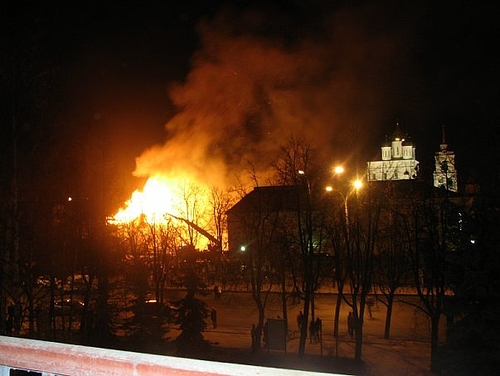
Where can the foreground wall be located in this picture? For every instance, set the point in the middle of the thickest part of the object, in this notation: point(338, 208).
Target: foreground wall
point(52, 358)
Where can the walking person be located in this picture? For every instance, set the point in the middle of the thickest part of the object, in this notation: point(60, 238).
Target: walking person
point(318, 329)
point(369, 304)
point(350, 324)
point(213, 316)
point(312, 331)
point(300, 319)
point(253, 332)
point(217, 292)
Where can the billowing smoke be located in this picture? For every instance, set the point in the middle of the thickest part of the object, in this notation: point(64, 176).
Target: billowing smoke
point(332, 76)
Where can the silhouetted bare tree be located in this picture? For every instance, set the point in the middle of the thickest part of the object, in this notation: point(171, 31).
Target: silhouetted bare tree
point(362, 226)
point(392, 261)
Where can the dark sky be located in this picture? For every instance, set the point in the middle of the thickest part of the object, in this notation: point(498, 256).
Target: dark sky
point(207, 87)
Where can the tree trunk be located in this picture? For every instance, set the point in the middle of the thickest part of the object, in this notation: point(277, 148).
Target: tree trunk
point(313, 317)
point(303, 330)
point(260, 329)
point(52, 310)
point(388, 317)
point(102, 317)
point(358, 332)
point(338, 305)
point(359, 315)
point(434, 340)
point(87, 315)
point(283, 301)
point(31, 313)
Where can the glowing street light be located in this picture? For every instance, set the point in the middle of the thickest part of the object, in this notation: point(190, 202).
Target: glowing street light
point(338, 170)
point(357, 184)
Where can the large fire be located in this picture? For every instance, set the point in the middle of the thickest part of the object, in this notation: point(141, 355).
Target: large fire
point(158, 198)
point(164, 199)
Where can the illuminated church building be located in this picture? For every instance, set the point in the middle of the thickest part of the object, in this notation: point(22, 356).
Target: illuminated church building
point(399, 162)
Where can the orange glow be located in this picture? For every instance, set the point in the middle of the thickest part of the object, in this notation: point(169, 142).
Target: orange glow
point(158, 197)
point(162, 196)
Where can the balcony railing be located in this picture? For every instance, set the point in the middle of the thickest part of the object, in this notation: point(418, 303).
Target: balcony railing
point(50, 358)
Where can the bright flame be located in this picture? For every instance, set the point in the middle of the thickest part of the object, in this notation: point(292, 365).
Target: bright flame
point(163, 197)
point(159, 197)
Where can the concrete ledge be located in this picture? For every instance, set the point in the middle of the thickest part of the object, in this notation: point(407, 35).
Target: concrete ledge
point(75, 360)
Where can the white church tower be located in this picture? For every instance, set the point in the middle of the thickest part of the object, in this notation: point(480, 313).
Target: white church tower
point(398, 159)
point(445, 174)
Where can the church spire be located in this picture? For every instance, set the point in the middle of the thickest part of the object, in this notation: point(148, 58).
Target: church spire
point(398, 134)
point(444, 145)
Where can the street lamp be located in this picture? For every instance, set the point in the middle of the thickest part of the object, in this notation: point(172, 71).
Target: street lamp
point(338, 170)
point(356, 186)
point(307, 184)
point(340, 273)
point(306, 243)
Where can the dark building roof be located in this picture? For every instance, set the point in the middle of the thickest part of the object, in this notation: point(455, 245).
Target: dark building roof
point(271, 199)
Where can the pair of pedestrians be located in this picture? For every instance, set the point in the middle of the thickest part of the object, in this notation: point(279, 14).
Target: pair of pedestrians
point(315, 329)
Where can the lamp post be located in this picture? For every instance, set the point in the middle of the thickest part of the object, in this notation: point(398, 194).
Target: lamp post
point(355, 186)
point(308, 251)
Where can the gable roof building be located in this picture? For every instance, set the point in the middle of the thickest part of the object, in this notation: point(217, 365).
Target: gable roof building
point(259, 207)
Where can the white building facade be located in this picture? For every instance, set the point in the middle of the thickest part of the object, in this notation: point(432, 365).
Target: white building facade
point(397, 159)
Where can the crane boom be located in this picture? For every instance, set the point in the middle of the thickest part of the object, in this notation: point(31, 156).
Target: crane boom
point(202, 231)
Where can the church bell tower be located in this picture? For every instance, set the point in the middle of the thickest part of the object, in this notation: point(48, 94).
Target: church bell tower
point(445, 174)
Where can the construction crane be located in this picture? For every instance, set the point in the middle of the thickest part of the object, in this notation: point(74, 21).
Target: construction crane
point(202, 231)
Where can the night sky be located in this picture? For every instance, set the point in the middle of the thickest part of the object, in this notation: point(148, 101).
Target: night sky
point(209, 87)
